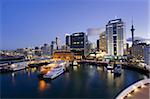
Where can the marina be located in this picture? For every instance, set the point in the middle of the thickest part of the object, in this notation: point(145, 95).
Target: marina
point(75, 49)
point(84, 81)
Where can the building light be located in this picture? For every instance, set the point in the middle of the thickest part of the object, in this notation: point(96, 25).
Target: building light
point(129, 95)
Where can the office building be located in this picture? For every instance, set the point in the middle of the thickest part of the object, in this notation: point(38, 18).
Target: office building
point(67, 41)
point(98, 47)
point(58, 43)
point(102, 42)
point(115, 37)
point(78, 44)
point(147, 54)
point(46, 49)
point(137, 50)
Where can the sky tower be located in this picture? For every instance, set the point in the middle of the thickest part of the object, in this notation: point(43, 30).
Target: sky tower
point(132, 31)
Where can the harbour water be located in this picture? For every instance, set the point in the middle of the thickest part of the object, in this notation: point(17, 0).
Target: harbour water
point(83, 81)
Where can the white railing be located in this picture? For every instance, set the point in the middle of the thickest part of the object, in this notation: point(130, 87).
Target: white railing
point(132, 88)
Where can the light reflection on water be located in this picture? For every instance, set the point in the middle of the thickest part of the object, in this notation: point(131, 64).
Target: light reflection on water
point(80, 81)
point(75, 68)
point(43, 85)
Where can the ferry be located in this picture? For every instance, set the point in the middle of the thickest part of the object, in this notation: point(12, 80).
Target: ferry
point(55, 72)
point(18, 66)
point(44, 69)
point(56, 68)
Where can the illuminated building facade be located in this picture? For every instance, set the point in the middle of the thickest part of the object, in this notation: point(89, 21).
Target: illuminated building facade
point(102, 42)
point(137, 50)
point(115, 37)
point(63, 55)
point(78, 44)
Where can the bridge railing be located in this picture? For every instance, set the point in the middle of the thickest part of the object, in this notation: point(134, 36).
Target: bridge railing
point(132, 88)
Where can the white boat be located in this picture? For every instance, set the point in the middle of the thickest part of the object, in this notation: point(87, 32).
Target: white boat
point(55, 69)
point(55, 72)
point(109, 68)
point(117, 69)
point(18, 66)
point(75, 63)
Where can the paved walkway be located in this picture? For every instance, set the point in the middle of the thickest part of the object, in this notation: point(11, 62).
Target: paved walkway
point(140, 93)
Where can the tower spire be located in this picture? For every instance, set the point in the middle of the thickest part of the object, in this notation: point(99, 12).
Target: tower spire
point(132, 31)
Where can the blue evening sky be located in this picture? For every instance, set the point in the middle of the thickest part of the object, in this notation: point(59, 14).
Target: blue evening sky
point(28, 23)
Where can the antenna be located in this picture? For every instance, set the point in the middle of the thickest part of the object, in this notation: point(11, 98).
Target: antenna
point(132, 20)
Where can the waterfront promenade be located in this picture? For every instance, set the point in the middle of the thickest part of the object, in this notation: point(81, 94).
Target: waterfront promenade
point(142, 93)
point(138, 90)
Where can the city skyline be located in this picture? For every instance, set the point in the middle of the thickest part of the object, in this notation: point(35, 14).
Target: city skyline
point(31, 23)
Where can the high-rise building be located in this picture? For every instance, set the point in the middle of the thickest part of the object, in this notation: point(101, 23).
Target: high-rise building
point(46, 49)
point(67, 41)
point(102, 42)
point(52, 47)
point(37, 51)
point(98, 45)
point(147, 54)
point(58, 43)
point(78, 44)
point(115, 37)
point(137, 50)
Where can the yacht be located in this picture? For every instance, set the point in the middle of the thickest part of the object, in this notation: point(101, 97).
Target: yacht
point(55, 72)
point(18, 66)
point(55, 68)
point(46, 68)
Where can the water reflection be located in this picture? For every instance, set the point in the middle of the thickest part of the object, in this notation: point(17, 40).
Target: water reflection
point(75, 68)
point(80, 81)
point(28, 71)
point(33, 69)
point(13, 78)
point(67, 75)
point(13, 74)
point(43, 85)
point(110, 77)
point(91, 66)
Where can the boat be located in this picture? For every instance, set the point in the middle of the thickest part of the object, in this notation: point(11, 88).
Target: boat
point(44, 69)
point(55, 72)
point(109, 68)
point(4, 67)
point(75, 63)
point(117, 69)
point(18, 66)
point(56, 66)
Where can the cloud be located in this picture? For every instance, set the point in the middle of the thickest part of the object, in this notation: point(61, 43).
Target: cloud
point(138, 38)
